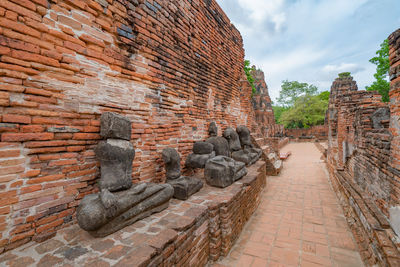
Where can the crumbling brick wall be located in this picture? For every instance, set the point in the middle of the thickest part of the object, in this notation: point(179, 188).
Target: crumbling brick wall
point(262, 105)
point(170, 66)
point(319, 132)
point(362, 162)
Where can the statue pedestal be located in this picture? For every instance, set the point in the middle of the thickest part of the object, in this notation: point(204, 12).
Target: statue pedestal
point(184, 187)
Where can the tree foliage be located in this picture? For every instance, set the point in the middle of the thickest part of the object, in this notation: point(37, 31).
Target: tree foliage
point(307, 111)
point(250, 78)
point(324, 95)
point(308, 108)
point(291, 91)
point(345, 75)
point(381, 60)
point(278, 111)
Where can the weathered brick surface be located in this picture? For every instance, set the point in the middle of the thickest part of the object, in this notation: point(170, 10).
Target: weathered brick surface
point(264, 114)
point(319, 132)
point(266, 134)
point(262, 104)
point(172, 67)
point(188, 233)
point(363, 162)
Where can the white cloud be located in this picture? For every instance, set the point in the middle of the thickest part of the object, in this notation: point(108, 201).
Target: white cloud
point(343, 67)
point(313, 40)
point(261, 11)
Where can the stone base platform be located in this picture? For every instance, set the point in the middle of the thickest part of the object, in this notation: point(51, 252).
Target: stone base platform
point(188, 233)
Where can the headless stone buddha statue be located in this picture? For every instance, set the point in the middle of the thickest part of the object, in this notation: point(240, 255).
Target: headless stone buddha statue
point(222, 171)
point(119, 204)
point(237, 152)
point(183, 186)
point(202, 152)
point(221, 146)
point(247, 145)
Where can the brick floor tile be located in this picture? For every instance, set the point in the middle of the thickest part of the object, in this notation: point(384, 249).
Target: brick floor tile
point(310, 264)
point(315, 237)
point(256, 236)
point(257, 249)
point(277, 264)
point(259, 263)
point(291, 244)
point(319, 229)
point(268, 239)
point(322, 250)
point(245, 261)
point(285, 256)
point(315, 259)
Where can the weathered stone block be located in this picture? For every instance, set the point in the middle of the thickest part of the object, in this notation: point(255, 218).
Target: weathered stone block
point(115, 126)
point(202, 148)
point(184, 187)
point(198, 161)
point(222, 171)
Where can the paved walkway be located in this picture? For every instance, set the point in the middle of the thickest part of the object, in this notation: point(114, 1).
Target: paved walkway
point(299, 221)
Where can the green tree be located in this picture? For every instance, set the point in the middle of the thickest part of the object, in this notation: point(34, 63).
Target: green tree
point(293, 90)
point(345, 75)
point(250, 78)
point(381, 61)
point(278, 111)
point(307, 111)
point(324, 95)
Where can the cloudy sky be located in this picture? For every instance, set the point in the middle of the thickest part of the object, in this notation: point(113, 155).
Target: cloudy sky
point(313, 40)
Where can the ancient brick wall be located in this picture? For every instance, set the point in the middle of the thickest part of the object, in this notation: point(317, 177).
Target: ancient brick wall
point(319, 132)
point(363, 165)
point(170, 66)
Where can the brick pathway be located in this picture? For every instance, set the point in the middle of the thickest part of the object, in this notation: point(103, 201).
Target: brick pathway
point(299, 221)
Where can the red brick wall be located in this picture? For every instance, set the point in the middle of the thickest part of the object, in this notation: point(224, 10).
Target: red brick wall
point(320, 132)
point(170, 66)
point(363, 163)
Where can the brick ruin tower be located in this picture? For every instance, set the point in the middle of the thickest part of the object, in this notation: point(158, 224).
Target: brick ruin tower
point(262, 105)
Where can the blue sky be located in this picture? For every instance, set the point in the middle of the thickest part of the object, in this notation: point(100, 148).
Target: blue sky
point(313, 40)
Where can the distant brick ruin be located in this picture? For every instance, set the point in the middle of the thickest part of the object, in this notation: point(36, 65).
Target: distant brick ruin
point(264, 114)
point(363, 159)
point(170, 67)
point(318, 132)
